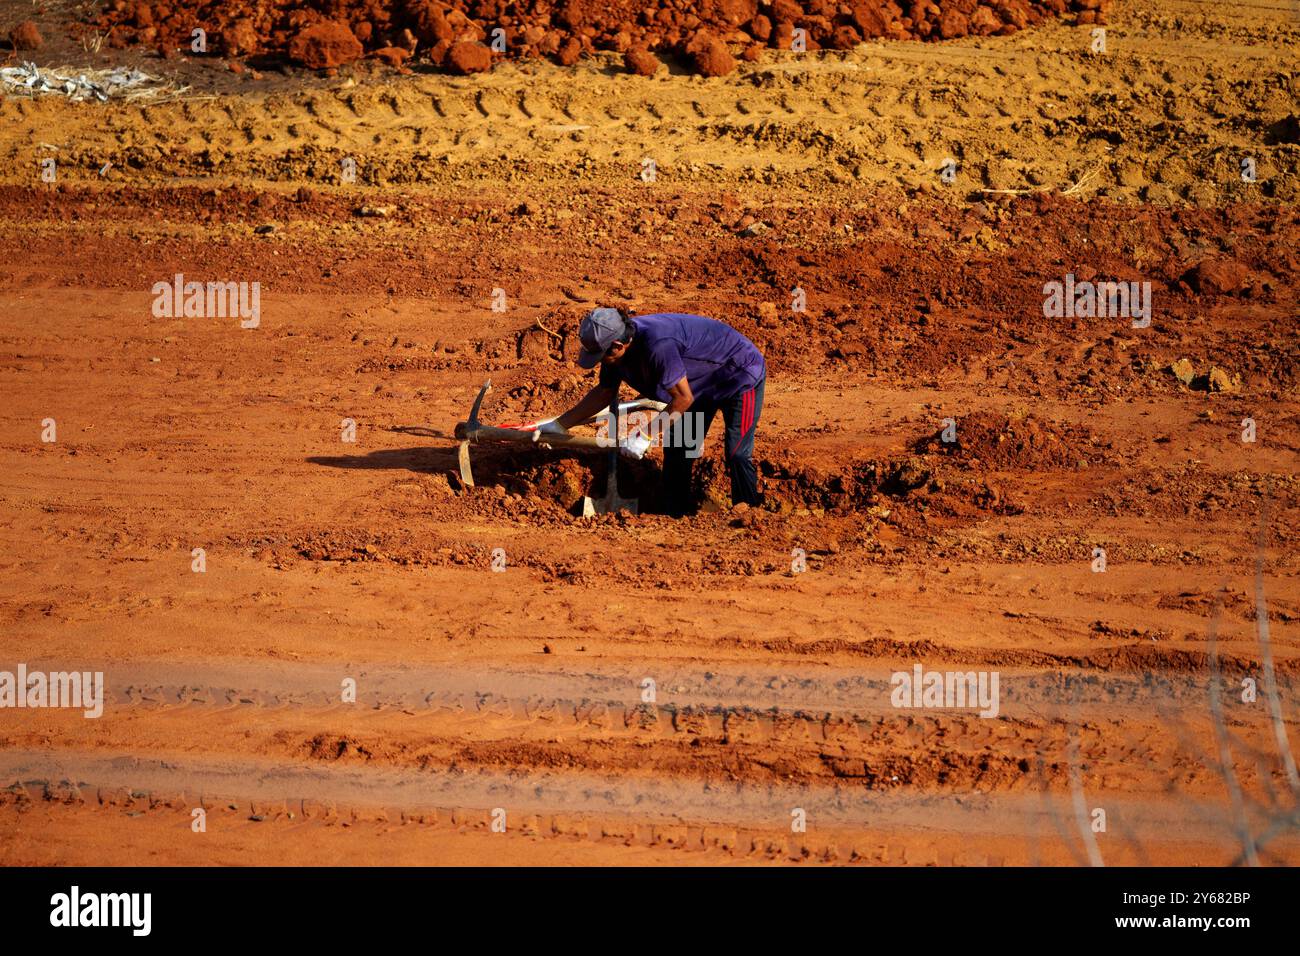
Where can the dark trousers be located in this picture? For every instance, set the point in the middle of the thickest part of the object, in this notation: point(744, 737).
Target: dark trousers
point(740, 414)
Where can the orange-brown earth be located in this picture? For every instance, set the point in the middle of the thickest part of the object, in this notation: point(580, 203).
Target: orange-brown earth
point(524, 691)
point(468, 36)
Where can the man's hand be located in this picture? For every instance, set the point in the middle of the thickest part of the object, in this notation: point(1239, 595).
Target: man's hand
point(553, 427)
point(635, 445)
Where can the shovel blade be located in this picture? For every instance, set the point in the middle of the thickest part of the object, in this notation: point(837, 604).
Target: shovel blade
point(611, 500)
point(608, 505)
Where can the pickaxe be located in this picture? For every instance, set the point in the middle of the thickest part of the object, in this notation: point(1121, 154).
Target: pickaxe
point(474, 430)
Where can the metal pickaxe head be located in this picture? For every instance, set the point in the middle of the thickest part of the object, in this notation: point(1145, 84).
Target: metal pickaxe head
point(478, 403)
point(466, 429)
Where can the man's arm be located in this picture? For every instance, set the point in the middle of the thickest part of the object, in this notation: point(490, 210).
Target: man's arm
point(679, 400)
point(590, 405)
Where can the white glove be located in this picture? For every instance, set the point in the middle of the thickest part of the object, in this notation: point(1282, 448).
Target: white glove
point(635, 445)
point(553, 427)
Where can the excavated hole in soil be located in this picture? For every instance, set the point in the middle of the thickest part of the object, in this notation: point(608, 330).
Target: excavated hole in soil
point(561, 478)
point(787, 483)
point(564, 479)
point(984, 442)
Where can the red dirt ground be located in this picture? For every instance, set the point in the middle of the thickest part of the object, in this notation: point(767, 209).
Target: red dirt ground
point(770, 636)
point(326, 35)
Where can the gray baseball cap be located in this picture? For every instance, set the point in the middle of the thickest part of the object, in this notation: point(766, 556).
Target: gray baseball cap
point(598, 331)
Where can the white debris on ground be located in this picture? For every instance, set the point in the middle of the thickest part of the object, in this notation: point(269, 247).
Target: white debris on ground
point(78, 85)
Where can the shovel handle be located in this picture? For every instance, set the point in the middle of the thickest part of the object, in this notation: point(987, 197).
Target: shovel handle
point(613, 447)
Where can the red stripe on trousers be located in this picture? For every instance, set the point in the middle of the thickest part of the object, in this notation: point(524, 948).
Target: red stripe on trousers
point(744, 420)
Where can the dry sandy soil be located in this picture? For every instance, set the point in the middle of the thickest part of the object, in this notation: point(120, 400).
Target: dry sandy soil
point(522, 690)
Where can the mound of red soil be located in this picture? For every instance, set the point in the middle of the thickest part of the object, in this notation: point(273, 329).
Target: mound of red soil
point(1013, 444)
point(324, 33)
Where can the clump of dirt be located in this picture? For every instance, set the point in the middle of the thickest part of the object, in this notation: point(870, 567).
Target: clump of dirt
point(1225, 277)
point(332, 747)
point(467, 57)
point(1213, 379)
point(1004, 443)
point(710, 484)
point(641, 62)
point(25, 37)
point(323, 34)
point(709, 56)
point(325, 45)
point(562, 480)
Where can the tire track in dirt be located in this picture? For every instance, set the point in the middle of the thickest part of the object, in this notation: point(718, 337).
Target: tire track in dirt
point(734, 820)
point(722, 689)
point(1096, 116)
point(1130, 728)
